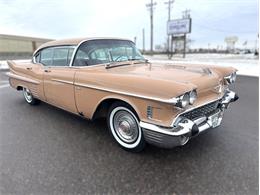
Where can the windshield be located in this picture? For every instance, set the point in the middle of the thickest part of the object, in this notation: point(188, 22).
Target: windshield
point(106, 51)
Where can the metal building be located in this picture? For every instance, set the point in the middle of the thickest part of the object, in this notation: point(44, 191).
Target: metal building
point(18, 47)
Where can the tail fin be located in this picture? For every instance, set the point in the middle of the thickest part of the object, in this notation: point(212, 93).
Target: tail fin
point(11, 65)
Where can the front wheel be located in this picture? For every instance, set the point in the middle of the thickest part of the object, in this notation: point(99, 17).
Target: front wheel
point(124, 127)
point(29, 97)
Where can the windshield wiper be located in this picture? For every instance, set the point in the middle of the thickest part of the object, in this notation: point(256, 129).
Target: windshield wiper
point(140, 60)
point(124, 63)
point(115, 64)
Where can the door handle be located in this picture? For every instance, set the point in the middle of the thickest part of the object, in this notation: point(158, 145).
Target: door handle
point(46, 70)
point(29, 68)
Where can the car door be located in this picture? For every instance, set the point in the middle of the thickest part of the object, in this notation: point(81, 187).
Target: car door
point(59, 77)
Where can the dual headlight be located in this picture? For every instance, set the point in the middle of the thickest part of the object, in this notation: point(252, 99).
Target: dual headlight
point(186, 99)
point(231, 78)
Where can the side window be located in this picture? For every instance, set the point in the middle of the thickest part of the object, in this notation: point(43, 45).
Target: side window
point(60, 57)
point(81, 58)
point(46, 56)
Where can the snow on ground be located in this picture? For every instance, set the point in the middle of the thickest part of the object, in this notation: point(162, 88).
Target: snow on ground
point(3, 65)
point(247, 64)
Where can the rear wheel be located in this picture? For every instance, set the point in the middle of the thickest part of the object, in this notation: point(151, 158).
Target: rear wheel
point(29, 97)
point(124, 127)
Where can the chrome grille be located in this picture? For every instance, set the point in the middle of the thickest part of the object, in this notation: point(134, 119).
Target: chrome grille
point(202, 111)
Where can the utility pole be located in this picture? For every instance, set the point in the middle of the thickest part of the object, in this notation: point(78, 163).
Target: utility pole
point(143, 40)
point(169, 4)
point(150, 7)
point(135, 40)
point(186, 13)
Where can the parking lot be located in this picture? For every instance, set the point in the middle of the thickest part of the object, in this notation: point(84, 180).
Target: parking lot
point(45, 150)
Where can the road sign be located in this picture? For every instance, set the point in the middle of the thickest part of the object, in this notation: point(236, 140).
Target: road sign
point(180, 26)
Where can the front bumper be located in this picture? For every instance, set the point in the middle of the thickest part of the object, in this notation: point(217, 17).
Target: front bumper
point(185, 127)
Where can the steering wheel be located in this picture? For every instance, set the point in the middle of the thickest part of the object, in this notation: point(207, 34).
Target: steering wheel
point(119, 57)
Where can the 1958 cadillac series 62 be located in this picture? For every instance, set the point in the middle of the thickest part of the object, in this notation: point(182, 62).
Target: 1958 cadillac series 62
point(161, 104)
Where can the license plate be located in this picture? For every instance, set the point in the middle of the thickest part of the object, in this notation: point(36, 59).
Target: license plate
point(215, 120)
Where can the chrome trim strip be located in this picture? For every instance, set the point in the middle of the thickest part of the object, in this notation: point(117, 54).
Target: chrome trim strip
point(168, 101)
point(11, 75)
point(164, 130)
point(63, 81)
point(204, 127)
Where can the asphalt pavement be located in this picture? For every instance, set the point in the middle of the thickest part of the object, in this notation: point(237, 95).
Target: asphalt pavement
point(45, 150)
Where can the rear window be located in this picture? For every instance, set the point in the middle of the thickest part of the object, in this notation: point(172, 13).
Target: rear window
point(60, 57)
point(56, 56)
point(46, 56)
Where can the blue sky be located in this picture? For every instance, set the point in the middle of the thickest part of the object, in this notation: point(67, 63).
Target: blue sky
point(213, 20)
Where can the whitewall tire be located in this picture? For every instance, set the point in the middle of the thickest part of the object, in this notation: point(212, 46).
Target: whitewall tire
point(28, 96)
point(124, 127)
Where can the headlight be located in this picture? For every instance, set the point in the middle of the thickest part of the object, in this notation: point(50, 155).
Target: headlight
point(193, 96)
point(183, 100)
point(231, 78)
point(186, 99)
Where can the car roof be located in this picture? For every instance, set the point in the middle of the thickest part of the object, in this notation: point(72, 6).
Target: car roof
point(74, 41)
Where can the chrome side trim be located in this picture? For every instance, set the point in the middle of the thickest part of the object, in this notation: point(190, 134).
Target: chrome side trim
point(63, 81)
point(168, 101)
point(166, 131)
point(11, 75)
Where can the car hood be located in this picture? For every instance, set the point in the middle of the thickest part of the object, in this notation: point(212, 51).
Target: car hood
point(157, 80)
point(199, 77)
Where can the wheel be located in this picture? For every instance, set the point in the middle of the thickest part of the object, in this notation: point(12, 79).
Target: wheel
point(29, 97)
point(124, 127)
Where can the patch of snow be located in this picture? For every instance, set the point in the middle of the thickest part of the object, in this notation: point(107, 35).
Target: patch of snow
point(246, 64)
point(3, 65)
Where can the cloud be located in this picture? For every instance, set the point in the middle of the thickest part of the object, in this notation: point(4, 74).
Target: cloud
point(212, 20)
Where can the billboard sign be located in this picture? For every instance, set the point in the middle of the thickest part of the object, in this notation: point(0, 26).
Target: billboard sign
point(180, 26)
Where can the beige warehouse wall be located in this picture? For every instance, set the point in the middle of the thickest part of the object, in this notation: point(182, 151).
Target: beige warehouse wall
point(7, 45)
point(16, 47)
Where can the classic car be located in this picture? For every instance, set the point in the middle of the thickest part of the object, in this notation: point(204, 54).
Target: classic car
point(161, 104)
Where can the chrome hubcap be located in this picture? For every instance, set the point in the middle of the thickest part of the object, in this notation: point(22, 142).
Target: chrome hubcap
point(125, 126)
point(27, 95)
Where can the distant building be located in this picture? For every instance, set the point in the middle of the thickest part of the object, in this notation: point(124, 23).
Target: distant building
point(18, 47)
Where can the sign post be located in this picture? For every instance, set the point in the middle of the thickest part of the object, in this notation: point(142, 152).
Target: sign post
point(178, 29)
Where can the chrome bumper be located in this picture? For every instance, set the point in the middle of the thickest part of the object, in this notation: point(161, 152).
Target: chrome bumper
point(184, 129)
